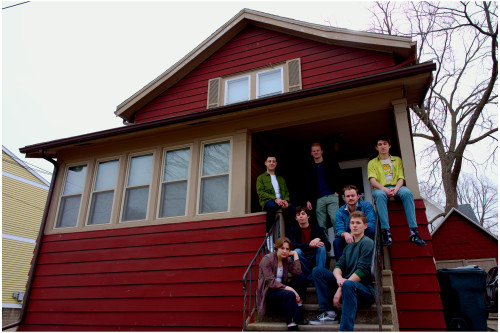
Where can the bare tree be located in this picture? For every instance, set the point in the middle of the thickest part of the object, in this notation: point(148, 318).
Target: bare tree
point(482, 195)
point(460, 109)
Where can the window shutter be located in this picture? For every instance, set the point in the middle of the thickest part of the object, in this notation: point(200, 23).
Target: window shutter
point(213, 96)
point(294, 75)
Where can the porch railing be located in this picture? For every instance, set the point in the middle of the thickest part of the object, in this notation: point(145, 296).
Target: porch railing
point(251, 276)
point(377, 271)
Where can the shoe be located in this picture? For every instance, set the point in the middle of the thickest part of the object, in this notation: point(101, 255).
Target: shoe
point(294, 328)
point(386, 237)
point(302, 321)
point(416, 239)
point(324, 319)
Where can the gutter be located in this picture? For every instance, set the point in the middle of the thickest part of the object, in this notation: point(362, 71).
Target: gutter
point(38, 246)
point(395, 74)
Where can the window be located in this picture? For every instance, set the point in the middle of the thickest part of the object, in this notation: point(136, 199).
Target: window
point(270, 82)
point(174, 185)
point(69, 206)
point(135, 203)
point(238, 90)
point(101, 201)
point(214, 184)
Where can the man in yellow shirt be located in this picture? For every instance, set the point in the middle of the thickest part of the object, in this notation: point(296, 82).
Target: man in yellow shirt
point(386, 175)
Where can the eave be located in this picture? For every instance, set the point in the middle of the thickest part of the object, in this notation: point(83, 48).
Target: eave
point(423, 72)
point(401, 46)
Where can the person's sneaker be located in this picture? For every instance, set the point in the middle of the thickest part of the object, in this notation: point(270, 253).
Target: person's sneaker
point(324, 318)
point(416, 239)
point(386, 237)
point(302, 321)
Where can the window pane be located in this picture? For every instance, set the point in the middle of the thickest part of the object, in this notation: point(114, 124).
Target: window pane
point(136, 203)
point(214, 194)
point(176, 164)
point(68, 211)
point(106, 176)
point(140, 170)
point(216, 158)
point(270, 83)
point(237, 90)
point(75, 179)
point(173, 199)
point(100, 207)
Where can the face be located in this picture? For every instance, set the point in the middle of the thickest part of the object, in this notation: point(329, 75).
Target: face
point(383, 147)
point(271, 163)
point(351, 197)
point(316, 152)
point(357, 226)
point(284, 251)
point(302, 218)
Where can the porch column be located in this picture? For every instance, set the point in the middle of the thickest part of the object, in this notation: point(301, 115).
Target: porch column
point(405, 144)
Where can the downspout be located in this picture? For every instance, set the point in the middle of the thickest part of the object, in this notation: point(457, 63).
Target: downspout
point(38, 246)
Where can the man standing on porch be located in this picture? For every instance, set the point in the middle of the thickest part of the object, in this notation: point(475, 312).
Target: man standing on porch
point(273, 192)
point(324, 186)
point(386, 175)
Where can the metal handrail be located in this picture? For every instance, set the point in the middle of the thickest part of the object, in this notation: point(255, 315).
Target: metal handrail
point(251, 276)
point(377, 270)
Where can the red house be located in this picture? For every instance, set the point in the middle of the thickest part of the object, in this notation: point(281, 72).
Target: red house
point(460, 241)
point(152, 225)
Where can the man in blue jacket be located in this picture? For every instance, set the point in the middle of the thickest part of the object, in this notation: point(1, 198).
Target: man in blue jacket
point(342, 229)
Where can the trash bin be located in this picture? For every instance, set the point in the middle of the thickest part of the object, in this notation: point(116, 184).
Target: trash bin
point(462, 295)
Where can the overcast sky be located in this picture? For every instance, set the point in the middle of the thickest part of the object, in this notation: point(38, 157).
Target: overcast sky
point(67, 65)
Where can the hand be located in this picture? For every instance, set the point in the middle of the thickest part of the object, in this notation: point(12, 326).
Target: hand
point(340, 281)
point(348, 237)
point(292, 253)
point(309, 205)
point(316, 243)
point(337, 297)
point(297, 297)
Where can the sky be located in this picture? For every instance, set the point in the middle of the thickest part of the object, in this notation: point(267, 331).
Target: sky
point(67, 65)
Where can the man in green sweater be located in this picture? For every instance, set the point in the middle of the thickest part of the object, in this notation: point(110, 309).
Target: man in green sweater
point(351, 281)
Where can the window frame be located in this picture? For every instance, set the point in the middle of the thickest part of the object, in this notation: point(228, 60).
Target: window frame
point(92, 190)
point(62, 195)
point(249, 91)
point(200, 176)
point(188, 180)
point(125, 184)
point(282, 81)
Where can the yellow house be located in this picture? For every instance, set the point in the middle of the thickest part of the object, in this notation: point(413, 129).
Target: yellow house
point(24, 193)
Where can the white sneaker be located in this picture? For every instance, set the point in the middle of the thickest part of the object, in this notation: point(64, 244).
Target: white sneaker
point(324, 319)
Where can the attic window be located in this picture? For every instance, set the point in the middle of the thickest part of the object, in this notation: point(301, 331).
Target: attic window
point(259, 83)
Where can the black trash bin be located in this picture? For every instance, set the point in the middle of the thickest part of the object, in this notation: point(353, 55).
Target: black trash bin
point(462, 295)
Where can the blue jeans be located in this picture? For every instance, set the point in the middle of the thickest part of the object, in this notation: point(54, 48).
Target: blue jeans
point(339, 242)
point(271, 208)
point(352, 294)
point(309, 261)
point(405, 195)
point(326, 206)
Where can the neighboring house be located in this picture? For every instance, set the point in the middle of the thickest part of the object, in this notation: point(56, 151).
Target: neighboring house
point(151, 226)
point(24, 193)
point(433, 209)
point(461, 241)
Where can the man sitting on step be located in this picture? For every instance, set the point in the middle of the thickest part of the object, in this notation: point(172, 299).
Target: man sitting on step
point(351, 281)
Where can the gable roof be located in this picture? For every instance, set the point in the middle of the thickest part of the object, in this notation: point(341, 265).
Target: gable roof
point(403, 47)
point(467, 219)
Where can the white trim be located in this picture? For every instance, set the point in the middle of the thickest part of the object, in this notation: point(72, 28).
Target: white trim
point(24, 165)
point(19, 238)
point(12, 305)
point(24, 180)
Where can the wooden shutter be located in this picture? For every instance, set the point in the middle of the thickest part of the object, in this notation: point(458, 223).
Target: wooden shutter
point(213, 96)
point(294, 75)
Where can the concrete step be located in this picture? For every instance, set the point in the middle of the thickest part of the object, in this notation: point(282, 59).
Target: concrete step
point(274, 326)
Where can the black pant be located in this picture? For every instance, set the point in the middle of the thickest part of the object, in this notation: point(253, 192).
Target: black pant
point(281, 301)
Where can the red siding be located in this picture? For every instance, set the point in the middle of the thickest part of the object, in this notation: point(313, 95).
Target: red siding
point(414, 273)
point(256, 47)
point(459, 239)
point(180, 277)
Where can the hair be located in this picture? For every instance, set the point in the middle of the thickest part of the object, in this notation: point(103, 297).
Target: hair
point(270, 154)
point(316, 144)
point(350, 187)
point(302, 208)
point(382, 137)
point(360, 215)
point(282, 240)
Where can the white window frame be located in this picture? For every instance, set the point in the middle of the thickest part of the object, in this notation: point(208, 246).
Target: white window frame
point(201, 177)
point(282, 85)
point(125, 184)
point(93, 191)
point(62, 195)
point(228, 81)
point(161, 181)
